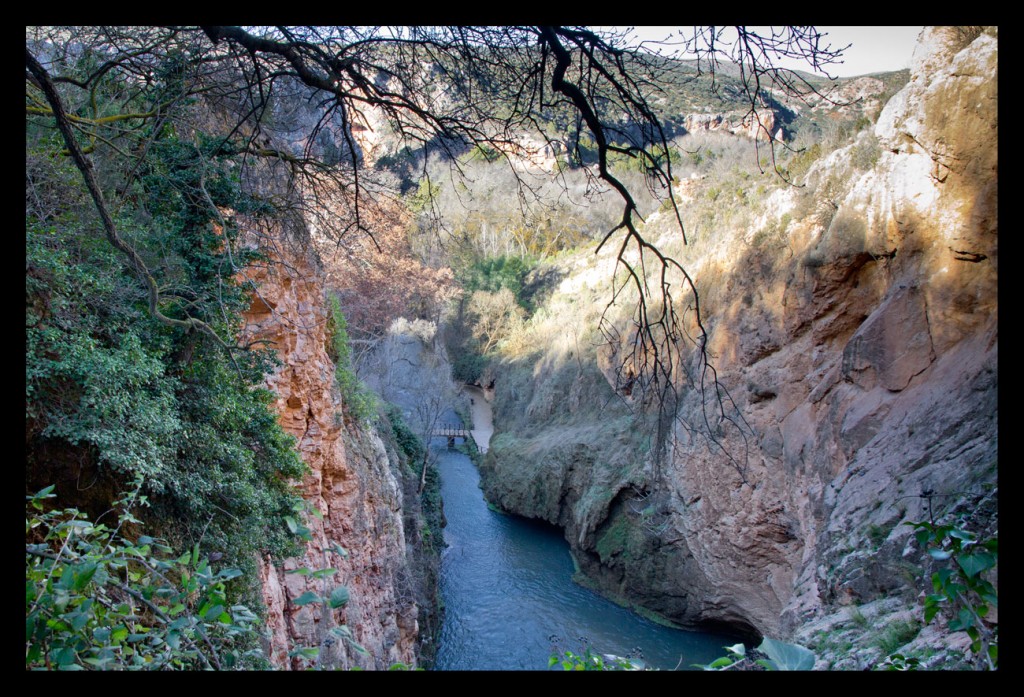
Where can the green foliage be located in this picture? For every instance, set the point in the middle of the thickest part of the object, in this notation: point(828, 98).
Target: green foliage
point(779, 655)
point(109, 386)
point(800, 162)
point(358, 401)
point(468, 364)
point(424, 198)
point(858, 617)
point(593, 661)
point(97, 599)
point(495, 273)
point(898, 661)
point(784, 656)
point(737, 655)
point(484, 153)
point(960, 588)
point(482, 280)
point(333, 599)
point(897, 634)
point(407, 440)
point(615, 539)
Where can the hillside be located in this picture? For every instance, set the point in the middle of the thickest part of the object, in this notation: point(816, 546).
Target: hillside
point(852, 325)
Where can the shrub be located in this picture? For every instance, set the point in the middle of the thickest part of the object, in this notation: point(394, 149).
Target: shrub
point(897, 634)
point(961, 588)
point(98, 599)
point(358, 401)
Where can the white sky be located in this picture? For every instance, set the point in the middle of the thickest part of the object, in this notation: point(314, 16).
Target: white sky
point(874, 49)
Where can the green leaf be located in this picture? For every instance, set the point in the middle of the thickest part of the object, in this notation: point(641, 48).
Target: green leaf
point(342, 632)
point(940, 578)
point(213, 613)
point(301, 571)
point(787, 656)
point(738, 649)
point(307, 598)
point(78, 620)
point(44, 493)
point(974, 564)
point(324, 572)
point(84, 575)
point(308, 652)
point(339, 597)
point(940, 554)
point(293, 527)
point(63, 656)
point(720, 662)
point(964, 621)
point(67, 579)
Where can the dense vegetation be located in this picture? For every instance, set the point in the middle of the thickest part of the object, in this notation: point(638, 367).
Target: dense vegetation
point(119, 401)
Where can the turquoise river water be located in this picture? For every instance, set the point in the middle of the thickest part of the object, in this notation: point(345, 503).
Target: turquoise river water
point(510, 601)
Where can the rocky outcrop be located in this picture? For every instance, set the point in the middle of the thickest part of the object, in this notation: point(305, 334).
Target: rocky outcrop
point(740, 123)
point(869, 370)
point(860, 354)
point(355, 501)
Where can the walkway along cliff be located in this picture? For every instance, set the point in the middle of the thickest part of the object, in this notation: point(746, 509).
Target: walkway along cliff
point(855, 330)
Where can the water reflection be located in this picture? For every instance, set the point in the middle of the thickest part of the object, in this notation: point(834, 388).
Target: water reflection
point(509, 596)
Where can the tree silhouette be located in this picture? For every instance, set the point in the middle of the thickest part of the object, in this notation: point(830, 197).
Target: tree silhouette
point(288, 104)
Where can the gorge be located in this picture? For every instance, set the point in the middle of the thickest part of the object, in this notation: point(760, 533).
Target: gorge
point(839, 384)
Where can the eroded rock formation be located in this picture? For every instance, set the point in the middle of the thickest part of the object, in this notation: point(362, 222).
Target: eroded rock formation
point(860, 348)
point(869, 367)
point(356, 519)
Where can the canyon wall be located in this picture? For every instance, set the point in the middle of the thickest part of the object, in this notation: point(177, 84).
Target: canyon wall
point(854, 327)
point(354, 491)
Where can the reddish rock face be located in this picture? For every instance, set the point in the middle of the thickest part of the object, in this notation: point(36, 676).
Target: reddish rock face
point(350, 485)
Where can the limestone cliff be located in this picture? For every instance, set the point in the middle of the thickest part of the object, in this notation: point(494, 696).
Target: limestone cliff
point(356, 518)
point(854, 326)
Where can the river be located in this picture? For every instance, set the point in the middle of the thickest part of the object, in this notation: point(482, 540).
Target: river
point(510, 602)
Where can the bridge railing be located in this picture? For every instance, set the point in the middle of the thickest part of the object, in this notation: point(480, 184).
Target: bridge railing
point(452, 431)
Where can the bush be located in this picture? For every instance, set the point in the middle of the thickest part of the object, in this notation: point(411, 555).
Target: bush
point(358, 401)
point(97, 599)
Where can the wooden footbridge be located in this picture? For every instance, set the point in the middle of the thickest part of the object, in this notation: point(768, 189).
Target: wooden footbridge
point(452, 432)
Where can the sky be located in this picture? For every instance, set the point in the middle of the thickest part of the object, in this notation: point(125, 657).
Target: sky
point(873, 49)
